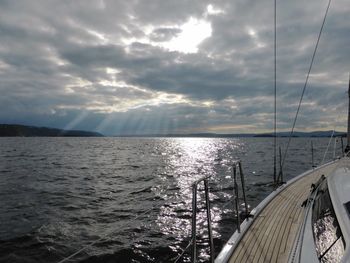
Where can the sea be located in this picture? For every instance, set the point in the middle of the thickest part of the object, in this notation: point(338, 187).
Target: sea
point(122, 200)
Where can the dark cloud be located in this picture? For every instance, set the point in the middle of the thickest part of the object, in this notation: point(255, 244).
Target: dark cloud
point(104, 65)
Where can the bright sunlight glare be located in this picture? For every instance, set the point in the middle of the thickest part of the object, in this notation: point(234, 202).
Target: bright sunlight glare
point(192, 34)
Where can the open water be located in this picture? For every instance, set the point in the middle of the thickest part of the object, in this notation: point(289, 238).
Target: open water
point(130, 197)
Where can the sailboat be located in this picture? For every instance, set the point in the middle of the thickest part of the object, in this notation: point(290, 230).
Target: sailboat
point(306, 219)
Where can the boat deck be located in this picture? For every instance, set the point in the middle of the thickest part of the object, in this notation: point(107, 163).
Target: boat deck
point(271, 236)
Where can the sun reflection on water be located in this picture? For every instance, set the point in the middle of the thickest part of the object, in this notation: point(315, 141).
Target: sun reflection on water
point(187, 160)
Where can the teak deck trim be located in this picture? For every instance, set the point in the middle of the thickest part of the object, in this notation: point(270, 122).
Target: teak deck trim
point(269, 236)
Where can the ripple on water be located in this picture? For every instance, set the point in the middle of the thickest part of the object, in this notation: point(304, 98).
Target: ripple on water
point(60, 194)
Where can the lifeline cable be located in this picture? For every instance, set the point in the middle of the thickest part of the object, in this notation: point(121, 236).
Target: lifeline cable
point(103, 237)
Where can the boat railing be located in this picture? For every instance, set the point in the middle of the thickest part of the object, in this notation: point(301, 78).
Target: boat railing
point(279, 181)
point(194, 218)
point(336, 140)
point(236, 170)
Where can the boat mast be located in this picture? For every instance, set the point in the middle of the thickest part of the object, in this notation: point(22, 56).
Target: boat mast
point(275, 103)
point(347, 148)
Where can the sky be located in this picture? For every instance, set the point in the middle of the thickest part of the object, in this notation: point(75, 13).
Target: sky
point(184, 66)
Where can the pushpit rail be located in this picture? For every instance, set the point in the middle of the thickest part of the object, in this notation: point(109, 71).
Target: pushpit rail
point(194, 218)
point(236, 168)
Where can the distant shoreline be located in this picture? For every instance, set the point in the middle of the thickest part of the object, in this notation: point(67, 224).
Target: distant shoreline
point(313, 134)
point(15, 130)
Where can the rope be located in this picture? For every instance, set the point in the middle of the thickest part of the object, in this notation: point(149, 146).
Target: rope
point(305, 85)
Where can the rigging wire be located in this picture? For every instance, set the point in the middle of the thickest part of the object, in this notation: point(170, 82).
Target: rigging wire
point(275, 102)
point(183, 251)
point(305, 85)
point(102, 238)
point(330, 139)
point(329, 143)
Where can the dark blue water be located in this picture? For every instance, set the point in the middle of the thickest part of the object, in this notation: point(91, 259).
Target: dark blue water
point(130, 196)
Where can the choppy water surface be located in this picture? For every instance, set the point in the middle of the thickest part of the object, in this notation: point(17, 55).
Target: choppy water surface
point(131, 196)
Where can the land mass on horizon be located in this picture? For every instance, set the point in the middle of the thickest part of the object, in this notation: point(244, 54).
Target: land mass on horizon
point(242, 135)
point(16, 130)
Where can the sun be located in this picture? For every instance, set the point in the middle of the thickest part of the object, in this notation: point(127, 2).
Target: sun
point(192, 34)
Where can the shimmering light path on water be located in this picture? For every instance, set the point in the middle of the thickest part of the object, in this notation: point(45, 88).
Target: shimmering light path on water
point(58, 195)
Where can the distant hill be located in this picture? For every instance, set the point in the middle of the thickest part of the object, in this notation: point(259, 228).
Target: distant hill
point(304, 134)
point(246, 135)
point(13, 130)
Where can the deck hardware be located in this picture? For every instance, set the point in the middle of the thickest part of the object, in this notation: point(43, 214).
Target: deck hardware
point(210, 232)
point(194, 219)
point(312, 155)
point(194, 223)
point(236, 197)
point(280, 173)
point(335, 147)
point(236, 193)
point(236, 168)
